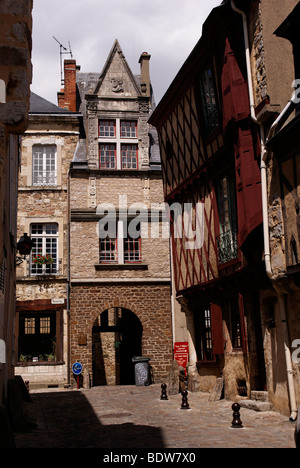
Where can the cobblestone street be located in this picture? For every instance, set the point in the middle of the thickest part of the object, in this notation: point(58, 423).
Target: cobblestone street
point(134, 417)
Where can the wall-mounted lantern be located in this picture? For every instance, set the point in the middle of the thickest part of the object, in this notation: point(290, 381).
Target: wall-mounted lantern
point(24, 247)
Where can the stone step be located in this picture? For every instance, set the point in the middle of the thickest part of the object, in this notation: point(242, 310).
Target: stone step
point(259, 396)
point(256, 405)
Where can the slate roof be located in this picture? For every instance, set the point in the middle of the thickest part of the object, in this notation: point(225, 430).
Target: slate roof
point(39, 105)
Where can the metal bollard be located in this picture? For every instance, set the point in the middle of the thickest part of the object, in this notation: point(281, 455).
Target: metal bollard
point(185, 405)
point(236, 422)
point(164, 395)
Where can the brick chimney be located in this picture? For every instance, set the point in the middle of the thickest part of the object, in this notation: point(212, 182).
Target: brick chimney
point(67, 97)
point(145, 73)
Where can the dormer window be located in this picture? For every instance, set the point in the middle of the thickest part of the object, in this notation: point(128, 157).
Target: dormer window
point(118, 144)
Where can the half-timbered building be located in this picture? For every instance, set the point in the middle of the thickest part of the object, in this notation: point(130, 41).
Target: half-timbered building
point(211, 125)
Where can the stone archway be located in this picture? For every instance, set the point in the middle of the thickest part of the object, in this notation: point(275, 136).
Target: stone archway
point(116, 338)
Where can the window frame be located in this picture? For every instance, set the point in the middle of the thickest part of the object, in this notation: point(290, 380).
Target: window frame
point(133, 149)
point(135, 135)
point(119, 244)
point(209, 117)
point(109, 127)
point(227, 240)
point(112, 147)
point(47, 247)
point(45, 342)
point(42, 172)
point(123, 140)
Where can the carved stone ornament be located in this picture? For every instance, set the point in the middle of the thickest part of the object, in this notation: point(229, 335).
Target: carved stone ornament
point(117, 85)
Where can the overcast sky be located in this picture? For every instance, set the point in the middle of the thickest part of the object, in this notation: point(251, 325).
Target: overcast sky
point(166, 29)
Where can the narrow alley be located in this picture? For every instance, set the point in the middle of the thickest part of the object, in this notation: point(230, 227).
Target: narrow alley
point(130, 417)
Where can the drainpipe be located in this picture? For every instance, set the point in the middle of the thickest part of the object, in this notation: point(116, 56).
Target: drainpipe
point(264, 155)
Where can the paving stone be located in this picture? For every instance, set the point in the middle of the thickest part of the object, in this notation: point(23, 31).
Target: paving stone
point(135, 418)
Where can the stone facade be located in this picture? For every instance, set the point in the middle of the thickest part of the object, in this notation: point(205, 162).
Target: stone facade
point(15, 79)
point(42, 292)
point(110, 296)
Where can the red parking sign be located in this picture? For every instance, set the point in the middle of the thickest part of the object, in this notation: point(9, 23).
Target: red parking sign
point(181, 354)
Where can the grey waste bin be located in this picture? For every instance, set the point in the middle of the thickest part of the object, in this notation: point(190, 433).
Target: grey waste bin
point(141, 371)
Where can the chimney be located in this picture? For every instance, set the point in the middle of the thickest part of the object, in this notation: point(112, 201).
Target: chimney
point(67, 96)
point(145, 73)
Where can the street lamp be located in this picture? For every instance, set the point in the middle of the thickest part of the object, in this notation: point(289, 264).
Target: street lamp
point(24, 246)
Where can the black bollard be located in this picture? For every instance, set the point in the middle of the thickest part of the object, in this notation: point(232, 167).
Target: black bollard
point(236, 422)
point(185, 404)
point(164, 395)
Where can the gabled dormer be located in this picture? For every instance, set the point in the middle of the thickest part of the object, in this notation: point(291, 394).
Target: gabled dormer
point(117, 79)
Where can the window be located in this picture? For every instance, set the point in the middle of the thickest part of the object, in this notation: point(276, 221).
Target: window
point(204, 341)
point(208, 102)
point(125, 248)
point(209, 333)
point(129, 156)
point(118, 144)
point(107, 156)
point(236, 334)
point(44, 165)
point(108, 250)
point(44, 258)
point(132, 250)
point(227, 241)
point(107, 129)
point(128, 129)
point(37, 336)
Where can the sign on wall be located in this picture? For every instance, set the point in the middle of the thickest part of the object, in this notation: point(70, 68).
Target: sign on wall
point(181, 353)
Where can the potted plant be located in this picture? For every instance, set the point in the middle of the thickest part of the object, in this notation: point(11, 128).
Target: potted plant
point(42, 259)
point(50, 357)
point(23, 358)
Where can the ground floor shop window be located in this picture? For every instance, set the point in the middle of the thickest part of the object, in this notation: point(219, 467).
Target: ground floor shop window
point(37, 337)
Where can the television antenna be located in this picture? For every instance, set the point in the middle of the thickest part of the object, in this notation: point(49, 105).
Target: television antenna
point(63, 51)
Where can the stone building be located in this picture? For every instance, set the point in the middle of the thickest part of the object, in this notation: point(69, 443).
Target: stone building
point(281, 314)
point(213, 123)
point(48, 147)
point(120, 286)
point(15, 79)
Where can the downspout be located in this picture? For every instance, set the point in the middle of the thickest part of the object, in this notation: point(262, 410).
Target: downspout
point(68, 276)
point(263, 167)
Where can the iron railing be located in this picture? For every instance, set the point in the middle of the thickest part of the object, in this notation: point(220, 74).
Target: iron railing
point(227, 246)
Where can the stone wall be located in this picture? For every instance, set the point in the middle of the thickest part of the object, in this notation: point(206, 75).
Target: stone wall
point(15, 79)
point(149, 302)
point(270, 53)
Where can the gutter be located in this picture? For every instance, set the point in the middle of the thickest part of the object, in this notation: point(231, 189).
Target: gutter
point(267, 252)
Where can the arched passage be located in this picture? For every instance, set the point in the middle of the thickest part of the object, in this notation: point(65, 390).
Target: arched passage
point(116, 338)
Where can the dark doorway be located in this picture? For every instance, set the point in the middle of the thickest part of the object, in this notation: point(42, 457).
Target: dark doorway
point(117, 338)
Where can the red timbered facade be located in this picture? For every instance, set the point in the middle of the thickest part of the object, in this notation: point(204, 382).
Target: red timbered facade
point(210, 157)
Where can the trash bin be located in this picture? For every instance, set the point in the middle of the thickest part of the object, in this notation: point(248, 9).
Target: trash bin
point(141, 371)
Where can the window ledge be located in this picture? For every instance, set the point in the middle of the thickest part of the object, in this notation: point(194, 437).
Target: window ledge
point(39, 363)
point(123, 266)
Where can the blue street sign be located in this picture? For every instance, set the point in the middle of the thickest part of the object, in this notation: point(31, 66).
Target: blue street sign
point(77, 368)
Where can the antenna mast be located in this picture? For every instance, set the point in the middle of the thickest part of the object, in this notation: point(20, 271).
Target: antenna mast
point(63, 51)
